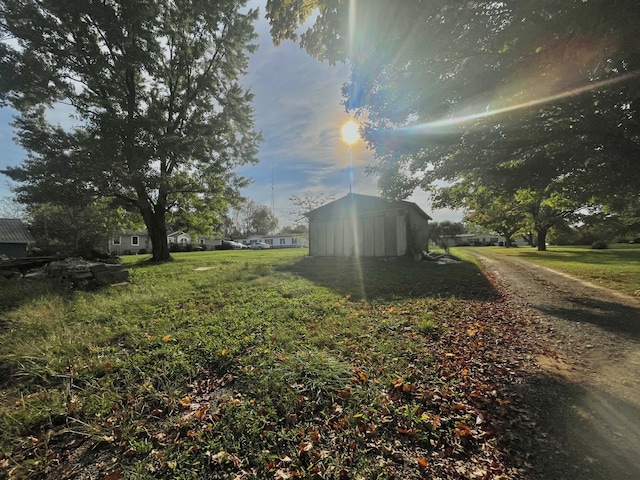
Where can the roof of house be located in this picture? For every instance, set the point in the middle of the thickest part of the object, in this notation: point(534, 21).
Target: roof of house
point(12, 230)
point(364, 204)
point(177, 234)
point(129, 231)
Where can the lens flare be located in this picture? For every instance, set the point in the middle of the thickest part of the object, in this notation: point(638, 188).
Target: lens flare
point(439, 126)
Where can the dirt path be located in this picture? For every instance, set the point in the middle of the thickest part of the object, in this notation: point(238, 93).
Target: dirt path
point(583, 389)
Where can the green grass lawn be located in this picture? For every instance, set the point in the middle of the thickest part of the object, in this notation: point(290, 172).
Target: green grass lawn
point(249, 364)
point(617, 267)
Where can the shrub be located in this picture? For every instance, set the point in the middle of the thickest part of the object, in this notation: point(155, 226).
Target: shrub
point(599, 245)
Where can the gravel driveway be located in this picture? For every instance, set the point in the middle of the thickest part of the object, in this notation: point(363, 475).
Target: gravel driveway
point(583, 389)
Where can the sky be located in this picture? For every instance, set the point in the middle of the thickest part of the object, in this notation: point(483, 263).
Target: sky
point(297, 107)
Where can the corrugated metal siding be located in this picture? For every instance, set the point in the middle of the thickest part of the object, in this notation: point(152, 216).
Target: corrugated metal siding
point(421, 230)
point(401, 234)
point(371, 236)
point(369, 241)
point(359, 225)
point(13, 231)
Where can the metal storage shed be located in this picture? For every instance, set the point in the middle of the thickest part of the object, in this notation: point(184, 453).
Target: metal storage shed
point(366, 226)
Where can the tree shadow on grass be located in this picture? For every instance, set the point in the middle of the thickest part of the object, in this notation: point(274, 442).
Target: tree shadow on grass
point(567, 432)
point(369, 278)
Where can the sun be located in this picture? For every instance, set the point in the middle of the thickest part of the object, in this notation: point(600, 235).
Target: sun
point(350, 132)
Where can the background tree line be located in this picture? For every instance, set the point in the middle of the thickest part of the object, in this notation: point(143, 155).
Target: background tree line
point(521, 112)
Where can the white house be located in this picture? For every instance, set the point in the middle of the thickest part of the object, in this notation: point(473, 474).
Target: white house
point(278, 241)
point(130, 242)
point(179, 238)
point(482, 239)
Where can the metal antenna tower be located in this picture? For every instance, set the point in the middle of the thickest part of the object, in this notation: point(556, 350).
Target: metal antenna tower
point(273, 198)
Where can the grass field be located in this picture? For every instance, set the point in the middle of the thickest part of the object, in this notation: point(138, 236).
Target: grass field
point(241, 364)
point(617, 267)
point(270, 364)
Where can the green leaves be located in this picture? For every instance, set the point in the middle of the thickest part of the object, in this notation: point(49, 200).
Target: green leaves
point(160, 117)
point(502, 93)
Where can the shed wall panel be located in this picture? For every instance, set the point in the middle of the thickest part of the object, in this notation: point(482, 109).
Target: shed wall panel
point(339, 240)
point(322, 238)
point(349, 237)
point(313, 238)
point(420, 229)
point(360, 237)
point(330, 239)
point(390, 236)
point(379, 236)
point(369, 236)
point(401, 234)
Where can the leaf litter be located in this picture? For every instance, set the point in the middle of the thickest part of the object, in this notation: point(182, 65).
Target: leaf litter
point(415, 402)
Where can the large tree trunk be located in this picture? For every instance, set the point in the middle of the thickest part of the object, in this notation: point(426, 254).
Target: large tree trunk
point(155, 220)
point(542, 239)
point(507, 240)
point(158, 233)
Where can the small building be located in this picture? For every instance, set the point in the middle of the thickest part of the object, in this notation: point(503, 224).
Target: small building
point(481, 240)
point(278, 241)
point(209, 243)
point(130, 242)
point(179, 238)
point(367, 226)
point(15, 239)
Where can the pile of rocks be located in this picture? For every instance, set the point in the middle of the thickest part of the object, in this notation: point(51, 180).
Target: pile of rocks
point(82, 274)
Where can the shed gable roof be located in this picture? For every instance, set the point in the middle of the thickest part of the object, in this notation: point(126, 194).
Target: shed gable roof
point(362, 204)
point(12, 230)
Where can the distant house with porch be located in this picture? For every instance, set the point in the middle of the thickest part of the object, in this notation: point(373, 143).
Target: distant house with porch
point(15, 239)
point(367, 226)
point(178, 238)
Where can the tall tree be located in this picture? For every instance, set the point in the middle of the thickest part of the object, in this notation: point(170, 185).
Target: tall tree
point(304, 203)
point(263, 222)
point(538, 92)
point(484, 206)
point(161, 119)
point(440, 230)
point(76, 229)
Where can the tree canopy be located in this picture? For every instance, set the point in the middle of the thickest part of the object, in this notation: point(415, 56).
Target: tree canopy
point(538, 100)
point(248, 219)
point(160, 118)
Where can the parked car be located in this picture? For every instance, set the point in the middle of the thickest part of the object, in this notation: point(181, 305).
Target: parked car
point(230, 245)
point(259, 246)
